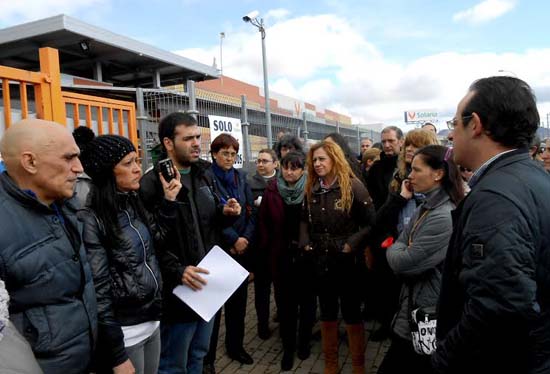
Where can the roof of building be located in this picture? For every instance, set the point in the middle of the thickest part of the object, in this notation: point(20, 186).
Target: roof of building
point(124, 61)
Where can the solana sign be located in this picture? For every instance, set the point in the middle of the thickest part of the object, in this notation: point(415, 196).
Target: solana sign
point(421, 116)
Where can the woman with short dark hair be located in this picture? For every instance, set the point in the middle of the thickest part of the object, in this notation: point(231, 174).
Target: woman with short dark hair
point(291, 269)
point(288, 143)
point(230, 182)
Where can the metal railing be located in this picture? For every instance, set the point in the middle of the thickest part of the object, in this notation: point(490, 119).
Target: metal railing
point(39, 95)
point(154, 104)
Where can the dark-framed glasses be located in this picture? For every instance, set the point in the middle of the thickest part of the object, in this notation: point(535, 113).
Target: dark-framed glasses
point(227, 154)
point(452, 123)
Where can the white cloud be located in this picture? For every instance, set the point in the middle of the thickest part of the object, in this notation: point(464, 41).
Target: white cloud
point(17, 11)
point(325, 61)
point(276, 14)
point(485, 11)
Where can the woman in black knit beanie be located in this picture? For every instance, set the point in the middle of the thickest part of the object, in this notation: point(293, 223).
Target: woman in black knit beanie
point(119, 241)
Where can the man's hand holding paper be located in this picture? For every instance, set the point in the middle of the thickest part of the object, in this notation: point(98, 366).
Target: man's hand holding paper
point(191, 277)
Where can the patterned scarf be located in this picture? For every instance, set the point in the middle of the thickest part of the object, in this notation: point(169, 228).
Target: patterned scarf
point(227, 179)
point(291, 195)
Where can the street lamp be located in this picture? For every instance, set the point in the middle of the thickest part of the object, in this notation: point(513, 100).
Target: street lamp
point(222, 37)
point(253, 19)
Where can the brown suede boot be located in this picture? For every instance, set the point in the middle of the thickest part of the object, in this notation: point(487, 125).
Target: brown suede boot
point(356, 341)
point(329, 335)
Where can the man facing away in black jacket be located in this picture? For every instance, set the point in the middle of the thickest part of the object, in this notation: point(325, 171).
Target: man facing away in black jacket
point(494, 306)
point(199, 220)
point(382, 285)
point(42, 257)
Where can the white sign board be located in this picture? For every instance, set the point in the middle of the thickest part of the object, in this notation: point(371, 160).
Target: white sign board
point(427, 115)
point(231, 126)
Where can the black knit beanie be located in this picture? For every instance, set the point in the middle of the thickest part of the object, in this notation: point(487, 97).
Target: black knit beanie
point(102, 153)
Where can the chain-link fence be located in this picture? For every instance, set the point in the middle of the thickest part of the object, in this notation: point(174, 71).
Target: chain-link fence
point(154, 104)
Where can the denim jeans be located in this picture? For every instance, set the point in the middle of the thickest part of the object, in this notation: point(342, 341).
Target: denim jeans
point(184, 346)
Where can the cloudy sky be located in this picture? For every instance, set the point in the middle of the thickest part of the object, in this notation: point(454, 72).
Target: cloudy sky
point(371, 59)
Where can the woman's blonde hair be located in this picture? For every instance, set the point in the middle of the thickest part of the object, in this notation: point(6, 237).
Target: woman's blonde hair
point(418, 138)
point(340, 169)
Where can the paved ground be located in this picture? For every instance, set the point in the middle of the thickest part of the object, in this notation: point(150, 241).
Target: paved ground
point(267, 354)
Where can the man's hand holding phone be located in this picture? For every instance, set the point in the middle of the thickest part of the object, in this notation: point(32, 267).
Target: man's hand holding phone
point(170, 179)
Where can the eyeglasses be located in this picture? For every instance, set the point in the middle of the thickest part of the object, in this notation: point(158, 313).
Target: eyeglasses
point(228, 154)
point(262, 161)
point(452, 123)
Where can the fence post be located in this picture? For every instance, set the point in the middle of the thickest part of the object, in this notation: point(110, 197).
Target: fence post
point(358, 139)
point(305, 132)
point(246, 138)
point(142, 126)
point(192, 98)
point(53, 106)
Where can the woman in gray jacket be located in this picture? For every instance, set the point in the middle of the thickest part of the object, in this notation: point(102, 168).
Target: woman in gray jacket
point(418, 253)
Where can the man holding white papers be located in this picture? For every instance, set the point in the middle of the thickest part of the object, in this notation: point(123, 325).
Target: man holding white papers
point(199, 220)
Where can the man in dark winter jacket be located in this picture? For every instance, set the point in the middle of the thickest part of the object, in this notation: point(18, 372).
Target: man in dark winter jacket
point(382, 285)
point(199, 220)
point(381, 172)
point(494, 306)
point(42, 258)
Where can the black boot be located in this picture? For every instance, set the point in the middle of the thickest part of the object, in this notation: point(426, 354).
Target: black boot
point(288, 361)
point(304, 351)
point(264, 332)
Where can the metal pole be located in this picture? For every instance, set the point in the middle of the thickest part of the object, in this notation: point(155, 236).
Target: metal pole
point(142, 125)
point(156, 79)
point(338, 127)
point(266, 88)
point(358, 139)
point(222, 36)
point(305, 132)
point(246, 139)
point(192, 98)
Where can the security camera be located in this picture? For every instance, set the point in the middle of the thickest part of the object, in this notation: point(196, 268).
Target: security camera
point(250, 16)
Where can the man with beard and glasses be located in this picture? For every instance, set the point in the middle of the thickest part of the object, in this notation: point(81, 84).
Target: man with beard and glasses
point(198, 223)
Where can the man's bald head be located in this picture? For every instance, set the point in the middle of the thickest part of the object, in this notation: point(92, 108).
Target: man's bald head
point(41, 156)
point(30, 135)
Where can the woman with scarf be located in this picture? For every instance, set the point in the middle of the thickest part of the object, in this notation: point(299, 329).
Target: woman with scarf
point(266, 171)
point(229, 183)
point(291, 269)
point(417, 255)
point(338, 214)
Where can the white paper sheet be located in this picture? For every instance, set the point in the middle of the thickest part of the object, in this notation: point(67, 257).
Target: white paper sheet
point(226, 275)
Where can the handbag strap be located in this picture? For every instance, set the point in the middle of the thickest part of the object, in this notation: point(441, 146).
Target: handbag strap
point(410, 284)
point(415, 226)
point(410, 306)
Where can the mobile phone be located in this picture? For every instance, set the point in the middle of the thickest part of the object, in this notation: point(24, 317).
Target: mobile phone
point(167, 169)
